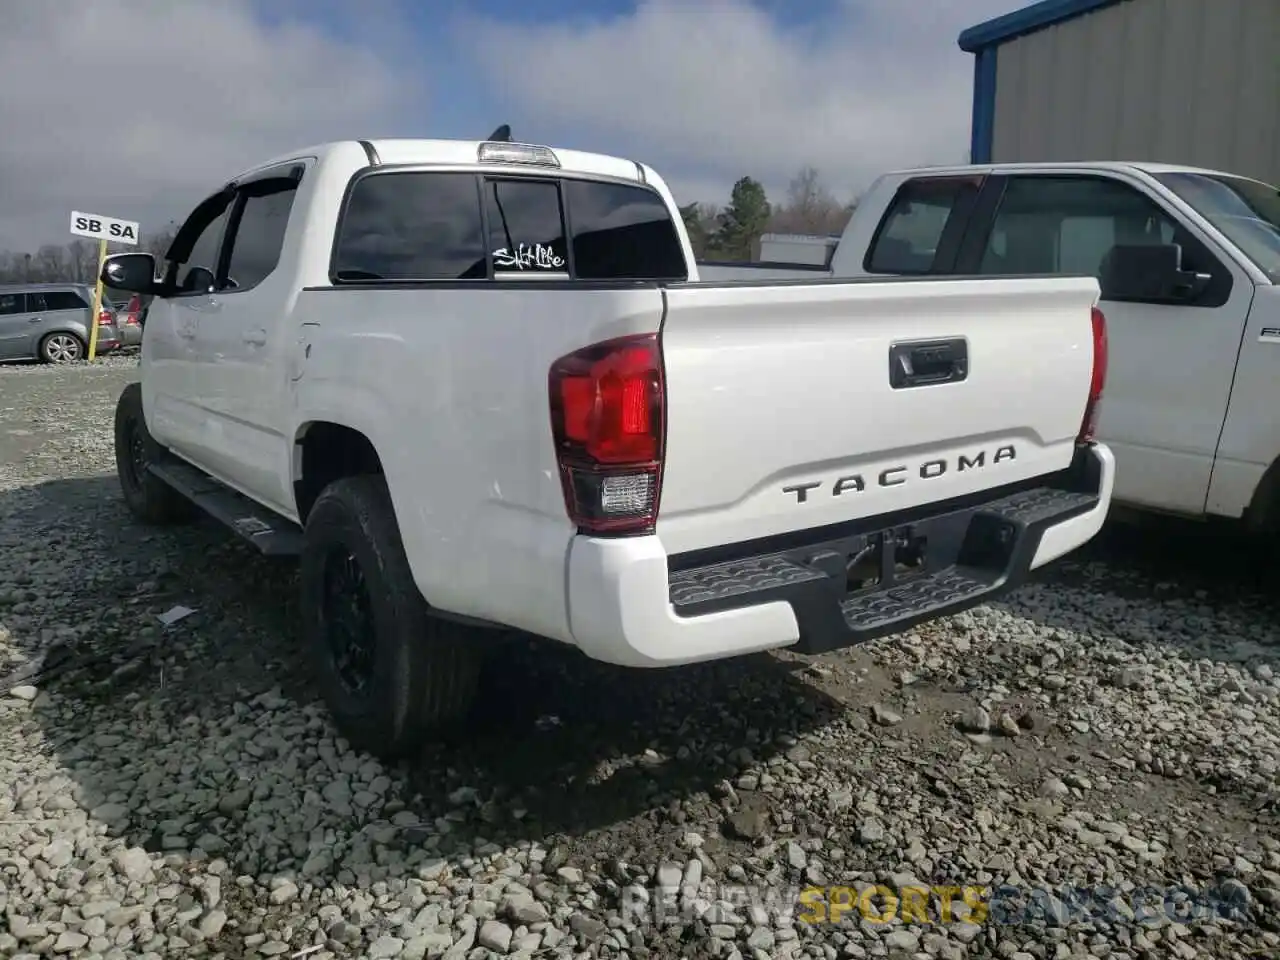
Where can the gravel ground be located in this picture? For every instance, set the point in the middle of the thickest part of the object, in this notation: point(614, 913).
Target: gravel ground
point(166, 791)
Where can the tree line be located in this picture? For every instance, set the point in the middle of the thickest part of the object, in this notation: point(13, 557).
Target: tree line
point(74, 262)
point(733, 232)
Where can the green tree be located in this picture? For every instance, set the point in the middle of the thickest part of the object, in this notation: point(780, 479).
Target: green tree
point(743, 221)
point(698, 236)
point(701, 223)
point(76, 261)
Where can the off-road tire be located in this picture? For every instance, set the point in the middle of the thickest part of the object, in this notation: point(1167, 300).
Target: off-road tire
point(148, 497)
point(425, 670)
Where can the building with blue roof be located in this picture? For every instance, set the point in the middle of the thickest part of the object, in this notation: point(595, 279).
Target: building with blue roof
point(1178, 81)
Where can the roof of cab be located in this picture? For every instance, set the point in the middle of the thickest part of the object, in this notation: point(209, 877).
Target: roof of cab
point(1115, 165)
point(412, 151)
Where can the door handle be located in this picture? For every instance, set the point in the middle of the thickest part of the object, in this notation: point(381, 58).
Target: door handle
point(919, 363)
point(255, 338)
point(36, 320)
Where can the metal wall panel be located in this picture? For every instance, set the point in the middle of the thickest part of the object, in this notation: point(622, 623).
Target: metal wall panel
point(1177, 81)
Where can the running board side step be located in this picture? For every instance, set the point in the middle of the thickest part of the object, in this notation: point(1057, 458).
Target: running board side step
point(273, 535)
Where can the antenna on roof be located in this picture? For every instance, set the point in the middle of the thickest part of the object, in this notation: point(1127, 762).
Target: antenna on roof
point(501, 135)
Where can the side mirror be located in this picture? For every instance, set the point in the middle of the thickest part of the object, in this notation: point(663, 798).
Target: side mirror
point(198, 279)
point(130, 272)
point(1149, 272)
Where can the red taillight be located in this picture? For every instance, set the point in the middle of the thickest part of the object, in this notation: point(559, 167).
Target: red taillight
point(104, 319)
point(1098, 380)
point(607, 414)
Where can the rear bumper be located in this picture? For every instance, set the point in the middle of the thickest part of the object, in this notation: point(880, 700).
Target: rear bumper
point(108, 340)
point(631, 604)
point(130, 335)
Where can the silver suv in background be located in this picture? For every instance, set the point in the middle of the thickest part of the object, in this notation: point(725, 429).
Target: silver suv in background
point(51, 322)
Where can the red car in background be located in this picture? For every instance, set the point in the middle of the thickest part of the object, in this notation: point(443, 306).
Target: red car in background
point(130, 317)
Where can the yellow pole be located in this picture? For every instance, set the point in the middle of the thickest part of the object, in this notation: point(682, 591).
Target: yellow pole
point(97, 301)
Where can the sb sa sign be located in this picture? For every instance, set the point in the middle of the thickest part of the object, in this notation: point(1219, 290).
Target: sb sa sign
point(97, 227)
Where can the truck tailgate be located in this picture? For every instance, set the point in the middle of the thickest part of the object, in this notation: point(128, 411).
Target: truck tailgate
point(783, 413)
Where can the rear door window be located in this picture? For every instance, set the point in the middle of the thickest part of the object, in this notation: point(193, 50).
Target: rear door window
point(63, 300)
point(11, 303)
point(911, 234)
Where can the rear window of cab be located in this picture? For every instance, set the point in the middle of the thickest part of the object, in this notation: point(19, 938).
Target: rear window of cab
point(422, 225)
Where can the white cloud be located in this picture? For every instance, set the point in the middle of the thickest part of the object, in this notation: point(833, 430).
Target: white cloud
point(135, 108)
point(717, 89)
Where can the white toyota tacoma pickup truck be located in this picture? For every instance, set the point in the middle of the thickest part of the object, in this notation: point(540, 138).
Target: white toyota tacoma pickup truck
point(479, 384)
point(1188, 261)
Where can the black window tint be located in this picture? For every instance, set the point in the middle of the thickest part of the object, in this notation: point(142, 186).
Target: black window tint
point(412, 226)
point(35, 303)
point(259, 236)
point(622, 233)
point(526, 226)
point(908, 238)
point(10, 303)
point(204, 253)
point(63, 300)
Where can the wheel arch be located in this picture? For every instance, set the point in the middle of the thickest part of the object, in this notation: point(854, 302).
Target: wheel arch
point(1263, 513)
point(325, 451)
point(340, 428)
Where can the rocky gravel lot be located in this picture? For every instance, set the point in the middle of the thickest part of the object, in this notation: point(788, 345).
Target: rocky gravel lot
point(177, 791)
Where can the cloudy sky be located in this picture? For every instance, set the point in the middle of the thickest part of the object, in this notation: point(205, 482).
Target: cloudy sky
point(136, 108)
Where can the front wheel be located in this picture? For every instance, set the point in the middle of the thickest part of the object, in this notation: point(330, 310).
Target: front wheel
point(392, 675)
point(148, 497)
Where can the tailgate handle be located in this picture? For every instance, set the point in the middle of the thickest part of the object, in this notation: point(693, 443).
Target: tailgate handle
point(918, 363)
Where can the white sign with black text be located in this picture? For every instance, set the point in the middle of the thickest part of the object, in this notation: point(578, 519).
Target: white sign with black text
point(97, 227)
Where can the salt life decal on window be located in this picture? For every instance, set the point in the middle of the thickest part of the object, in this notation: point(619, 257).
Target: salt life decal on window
point(527, 257)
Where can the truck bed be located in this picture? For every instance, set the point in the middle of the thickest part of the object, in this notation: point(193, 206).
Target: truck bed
point(716, 271)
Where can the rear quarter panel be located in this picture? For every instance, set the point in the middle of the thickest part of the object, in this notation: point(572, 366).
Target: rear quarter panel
point(450, 384)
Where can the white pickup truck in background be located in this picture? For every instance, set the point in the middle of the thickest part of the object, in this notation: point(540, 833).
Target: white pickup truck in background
point(479, 385)
point(1188, 262)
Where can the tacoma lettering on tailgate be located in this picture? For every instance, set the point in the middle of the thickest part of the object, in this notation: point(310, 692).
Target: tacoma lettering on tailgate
point(893, 476)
